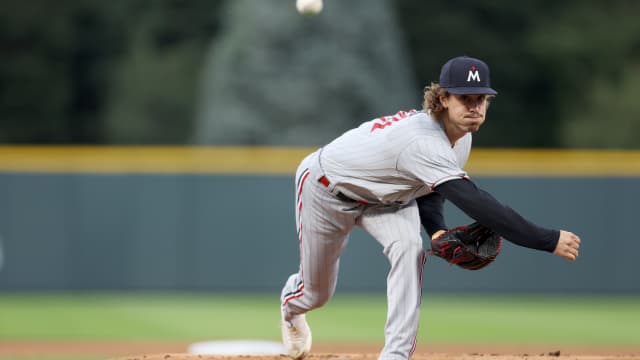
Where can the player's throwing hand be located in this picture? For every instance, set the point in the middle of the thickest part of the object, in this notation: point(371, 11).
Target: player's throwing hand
point(568, 245)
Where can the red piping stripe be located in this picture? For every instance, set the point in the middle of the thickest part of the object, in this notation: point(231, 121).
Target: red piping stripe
point(304, 177)
point(299, 293)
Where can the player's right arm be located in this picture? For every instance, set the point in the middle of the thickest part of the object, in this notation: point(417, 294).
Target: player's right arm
point(484, 208)
point(430, 207)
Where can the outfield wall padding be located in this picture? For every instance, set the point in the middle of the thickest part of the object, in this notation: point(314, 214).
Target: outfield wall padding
point(237, 233)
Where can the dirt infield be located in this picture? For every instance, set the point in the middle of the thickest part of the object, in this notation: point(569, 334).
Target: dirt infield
point(176, 351)
point(553, 355)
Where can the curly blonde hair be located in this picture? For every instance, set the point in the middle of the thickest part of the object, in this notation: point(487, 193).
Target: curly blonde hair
point(431, 103)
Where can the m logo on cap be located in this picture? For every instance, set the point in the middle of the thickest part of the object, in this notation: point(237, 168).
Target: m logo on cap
point(461, 76)
point(473, 74)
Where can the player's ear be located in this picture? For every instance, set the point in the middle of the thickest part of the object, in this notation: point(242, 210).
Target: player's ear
point(444, 100)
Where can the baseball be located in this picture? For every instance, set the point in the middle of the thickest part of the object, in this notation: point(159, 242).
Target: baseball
point(309, 7)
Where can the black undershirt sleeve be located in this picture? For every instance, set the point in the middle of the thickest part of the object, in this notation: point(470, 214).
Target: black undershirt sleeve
point(430, 207)
point(484, 208)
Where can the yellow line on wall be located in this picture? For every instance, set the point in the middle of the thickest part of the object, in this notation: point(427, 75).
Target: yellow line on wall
point(283, 160)
point(152, 159)
point(510, 162)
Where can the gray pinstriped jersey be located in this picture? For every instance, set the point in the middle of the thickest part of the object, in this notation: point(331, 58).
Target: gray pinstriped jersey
point(394, 159)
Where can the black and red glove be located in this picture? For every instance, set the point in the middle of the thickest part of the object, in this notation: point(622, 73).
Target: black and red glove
point(471, 247)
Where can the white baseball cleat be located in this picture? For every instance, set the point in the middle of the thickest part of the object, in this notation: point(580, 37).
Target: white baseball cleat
point(296, 336)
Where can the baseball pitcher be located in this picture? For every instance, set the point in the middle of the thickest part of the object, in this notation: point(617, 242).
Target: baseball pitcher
point(390, 176)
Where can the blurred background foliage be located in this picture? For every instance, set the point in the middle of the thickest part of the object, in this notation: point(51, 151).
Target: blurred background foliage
point(255, 72)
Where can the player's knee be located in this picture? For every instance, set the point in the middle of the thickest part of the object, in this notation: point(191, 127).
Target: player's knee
point(320, 300)
point(404, 249)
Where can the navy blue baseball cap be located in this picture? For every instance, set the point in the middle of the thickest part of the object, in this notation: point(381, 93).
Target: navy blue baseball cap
point(464, 75)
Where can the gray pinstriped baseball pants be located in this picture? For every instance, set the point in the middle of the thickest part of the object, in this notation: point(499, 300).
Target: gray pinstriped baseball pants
point(324, 224)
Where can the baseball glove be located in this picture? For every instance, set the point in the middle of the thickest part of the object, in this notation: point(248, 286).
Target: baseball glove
point(471, 247)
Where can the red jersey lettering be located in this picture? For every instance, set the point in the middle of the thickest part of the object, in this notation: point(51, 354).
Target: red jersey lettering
point(385, 121)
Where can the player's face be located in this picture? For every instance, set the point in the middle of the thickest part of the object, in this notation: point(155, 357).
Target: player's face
point(465, 112)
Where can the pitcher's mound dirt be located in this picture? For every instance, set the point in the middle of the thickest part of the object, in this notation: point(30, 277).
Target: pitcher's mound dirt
point(555, 355)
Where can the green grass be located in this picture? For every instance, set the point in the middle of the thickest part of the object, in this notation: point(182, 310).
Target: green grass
point(568, 320)
point(136, 317)
point(347, 318)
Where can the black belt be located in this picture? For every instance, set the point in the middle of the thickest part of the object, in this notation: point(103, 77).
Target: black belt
point(324, 181)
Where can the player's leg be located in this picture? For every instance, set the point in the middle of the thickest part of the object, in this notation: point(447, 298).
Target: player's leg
point(323, 230)
point(398, 231)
